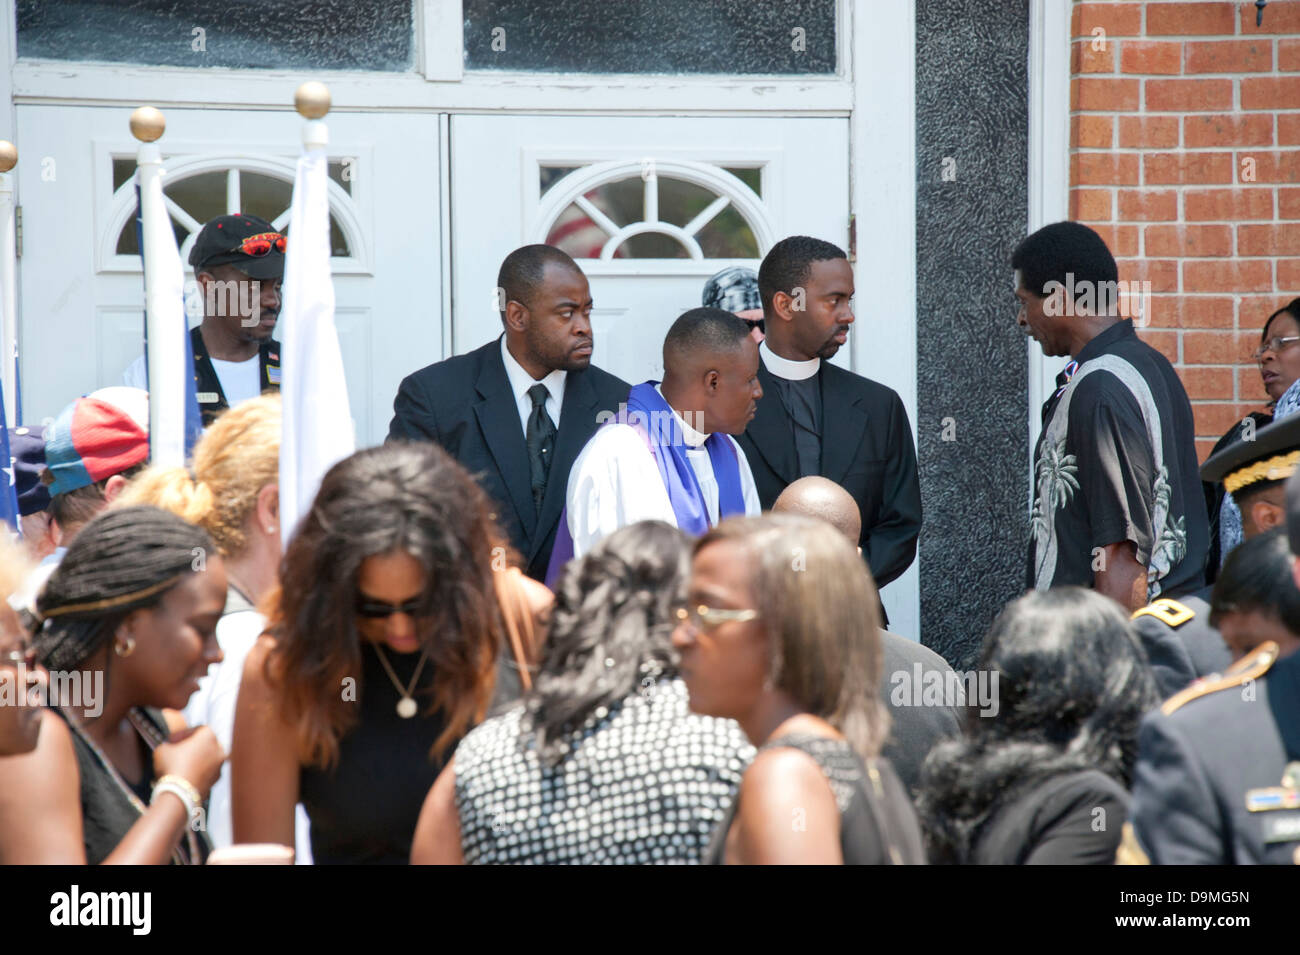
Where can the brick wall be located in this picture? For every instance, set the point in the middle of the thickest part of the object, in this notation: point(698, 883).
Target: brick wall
point(1185, 156)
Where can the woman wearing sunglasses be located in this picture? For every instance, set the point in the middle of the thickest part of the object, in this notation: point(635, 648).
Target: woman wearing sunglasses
point(780, 634)
point(1278, 356)
point(380, 653)
point(129, 621)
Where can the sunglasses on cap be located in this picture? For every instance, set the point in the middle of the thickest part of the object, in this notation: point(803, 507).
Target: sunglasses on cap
point(261, 244)
point(379, 610)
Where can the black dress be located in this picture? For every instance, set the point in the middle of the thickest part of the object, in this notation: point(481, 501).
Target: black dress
point(110, 804)
point(877, 822)
point(364, 809)
point(1075, 819)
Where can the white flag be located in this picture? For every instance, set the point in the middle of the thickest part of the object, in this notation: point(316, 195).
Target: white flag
point(318, 430)
point(165, 323)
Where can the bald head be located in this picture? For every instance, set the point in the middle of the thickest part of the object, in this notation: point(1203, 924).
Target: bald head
point(817, 497)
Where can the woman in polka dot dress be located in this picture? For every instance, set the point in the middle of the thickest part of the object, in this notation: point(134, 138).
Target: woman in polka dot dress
point(603, 762)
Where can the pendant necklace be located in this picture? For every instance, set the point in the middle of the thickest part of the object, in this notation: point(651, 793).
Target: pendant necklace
point(406, 706)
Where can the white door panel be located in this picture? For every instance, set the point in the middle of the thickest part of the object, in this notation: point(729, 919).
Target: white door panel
point(81, 302)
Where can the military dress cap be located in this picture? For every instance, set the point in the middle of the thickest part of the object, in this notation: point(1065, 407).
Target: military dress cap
point(1271, 456)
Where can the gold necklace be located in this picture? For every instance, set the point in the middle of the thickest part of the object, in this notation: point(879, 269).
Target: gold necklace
point(406, 706)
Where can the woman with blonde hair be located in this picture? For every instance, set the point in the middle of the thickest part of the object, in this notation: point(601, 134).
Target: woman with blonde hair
point(781, 633)
point(231, 490)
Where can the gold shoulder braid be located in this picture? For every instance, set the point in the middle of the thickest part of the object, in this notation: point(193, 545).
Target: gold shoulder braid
point(1169, 612)
point(1250, 667)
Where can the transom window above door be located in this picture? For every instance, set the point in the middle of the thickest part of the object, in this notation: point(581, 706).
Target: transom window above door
point(653, 209)
point(198, 189)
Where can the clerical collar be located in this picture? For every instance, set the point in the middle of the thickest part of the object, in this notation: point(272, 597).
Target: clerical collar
point(691, 437)
point(787, 369)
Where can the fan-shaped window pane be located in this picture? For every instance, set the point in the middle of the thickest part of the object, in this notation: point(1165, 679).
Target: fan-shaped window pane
point(259, 195)
point(550, 175)
point(651, 245)
point(751, 176)
point(728, 236)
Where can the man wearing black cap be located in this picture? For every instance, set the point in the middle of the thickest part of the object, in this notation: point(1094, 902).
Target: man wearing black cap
point(27, 461)
point(238, 261)
point(1179, 638)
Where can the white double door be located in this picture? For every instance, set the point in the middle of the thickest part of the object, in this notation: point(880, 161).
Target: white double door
point(650, 207)
point(81, 287)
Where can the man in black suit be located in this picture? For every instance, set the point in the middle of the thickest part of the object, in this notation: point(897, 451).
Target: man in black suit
point(517, 411)
point(817, 418)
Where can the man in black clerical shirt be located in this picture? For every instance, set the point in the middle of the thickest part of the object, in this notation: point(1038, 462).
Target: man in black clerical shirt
point(1118, 504)
point(817, 418)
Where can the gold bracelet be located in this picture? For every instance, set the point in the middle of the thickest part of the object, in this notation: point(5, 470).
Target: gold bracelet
point(191, 810)
point(185, 785)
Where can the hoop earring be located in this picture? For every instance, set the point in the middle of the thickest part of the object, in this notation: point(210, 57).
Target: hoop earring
point(125, 649)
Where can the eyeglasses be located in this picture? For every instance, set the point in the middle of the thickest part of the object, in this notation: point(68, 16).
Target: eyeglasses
point(25, 657)
point(379, 610)
point(1274, 345)
point(700, 617)
point(261, 244)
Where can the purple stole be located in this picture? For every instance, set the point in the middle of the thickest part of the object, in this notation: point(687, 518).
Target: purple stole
point(648, 412)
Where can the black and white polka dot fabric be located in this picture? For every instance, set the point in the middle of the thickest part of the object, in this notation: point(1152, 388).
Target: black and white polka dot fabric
point(644, 782)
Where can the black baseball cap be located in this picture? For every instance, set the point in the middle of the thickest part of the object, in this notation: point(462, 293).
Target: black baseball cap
point(218, 244)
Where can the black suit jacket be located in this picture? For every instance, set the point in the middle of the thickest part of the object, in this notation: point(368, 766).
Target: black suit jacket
point(465, 405)
point(866, 449)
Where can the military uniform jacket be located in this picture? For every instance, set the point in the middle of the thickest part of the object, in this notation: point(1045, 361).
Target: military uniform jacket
point(1206, 757)
point(212, 399)
point(1179, 641)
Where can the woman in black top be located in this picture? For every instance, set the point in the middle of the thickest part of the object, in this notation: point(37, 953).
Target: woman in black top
point(1044, 777)
point(381, 652)
point(129, 627)
point(780, 633)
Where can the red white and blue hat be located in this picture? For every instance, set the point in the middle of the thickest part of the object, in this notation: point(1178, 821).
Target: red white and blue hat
point(101, 434)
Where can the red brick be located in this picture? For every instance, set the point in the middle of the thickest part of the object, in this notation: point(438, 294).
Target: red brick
point(1098, 94)
point(1148, 132)
point(1268, 239)
point(1190, 19)
point(1229, 276)
point(1144, 56)
point(1269, 166)
point(1187, 168)
point(1090, 205)
point(1207, 382)
point(1249, 384)
point(1221, 129)
point(1188, 95)
point(1288, 275)
point(1216, 417)
point(1164, 342)
point(1121, 240)
point(1188, 240)
point(1288, 203)
point(1217, 348)
point(1253, 310)
point(1148, 205)
point(1230, 56)
point(1084, 58)
point(1161, 273)
point(1200, 205)
point(1197, 311)
point(1279, 17)
point(1270, 92)
point(1106, 169)
point(1117, 19)
point(1288, 129)
point(1288, 55)
point(1095, 132)
point(1204, 448)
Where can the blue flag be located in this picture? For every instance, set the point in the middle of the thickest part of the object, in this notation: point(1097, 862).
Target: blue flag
point(9, 497)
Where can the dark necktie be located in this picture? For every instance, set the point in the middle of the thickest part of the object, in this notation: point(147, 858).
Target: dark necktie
point(802, 397)
point(540, 438)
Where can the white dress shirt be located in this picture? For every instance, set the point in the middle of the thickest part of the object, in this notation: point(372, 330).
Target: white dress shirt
point(521, 381)
point(615, 482)
point(785, 368)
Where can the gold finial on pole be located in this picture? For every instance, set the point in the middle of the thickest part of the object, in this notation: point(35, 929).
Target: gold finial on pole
point(8, 155)
point(148, 124)
point(312, 100)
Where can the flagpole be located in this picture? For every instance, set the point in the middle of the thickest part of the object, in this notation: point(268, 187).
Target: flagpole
point(8, 286)
point(164, 283)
